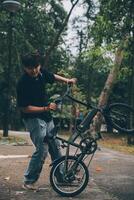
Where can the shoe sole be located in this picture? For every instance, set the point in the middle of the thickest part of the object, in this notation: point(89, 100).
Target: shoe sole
point(29, 188)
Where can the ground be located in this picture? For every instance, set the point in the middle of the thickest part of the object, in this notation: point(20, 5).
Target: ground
point(111, 175)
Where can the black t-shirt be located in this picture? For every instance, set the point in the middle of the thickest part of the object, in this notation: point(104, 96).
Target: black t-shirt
point(32, 91)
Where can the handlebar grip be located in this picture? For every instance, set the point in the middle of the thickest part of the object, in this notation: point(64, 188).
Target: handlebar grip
point(70, 84)
point(58, 102)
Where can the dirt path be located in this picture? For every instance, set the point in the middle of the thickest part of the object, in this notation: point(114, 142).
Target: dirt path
point(111, 173)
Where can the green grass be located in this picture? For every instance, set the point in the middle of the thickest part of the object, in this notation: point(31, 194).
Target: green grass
point(117, 142)
point(12, 140)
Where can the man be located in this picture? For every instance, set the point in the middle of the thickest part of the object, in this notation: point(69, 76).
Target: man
point(35, 111)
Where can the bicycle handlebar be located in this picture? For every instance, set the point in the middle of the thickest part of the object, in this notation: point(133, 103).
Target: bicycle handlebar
point(67, 94)
point(78, 101)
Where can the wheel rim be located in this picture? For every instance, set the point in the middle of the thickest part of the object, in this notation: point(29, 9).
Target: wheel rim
point(121, 116)
point(73, 182)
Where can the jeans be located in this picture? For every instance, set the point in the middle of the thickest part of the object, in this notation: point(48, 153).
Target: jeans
point(38, 129)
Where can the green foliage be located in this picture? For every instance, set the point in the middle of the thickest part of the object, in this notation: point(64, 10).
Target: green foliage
point(112, 27)
point(114, 20)
point(91, 70)
point(34, 27)
point(106, 24)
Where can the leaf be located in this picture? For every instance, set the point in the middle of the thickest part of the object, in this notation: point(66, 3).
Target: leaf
point(7, 178)
point(98, 169)
point(19, 192)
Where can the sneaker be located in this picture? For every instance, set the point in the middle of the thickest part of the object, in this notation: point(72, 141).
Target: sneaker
point(30, 187)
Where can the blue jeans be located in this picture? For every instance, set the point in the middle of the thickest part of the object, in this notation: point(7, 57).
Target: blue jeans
point(38, 129)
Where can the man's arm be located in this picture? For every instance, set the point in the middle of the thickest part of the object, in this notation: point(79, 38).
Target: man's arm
point(63, 79)
point(37, 109)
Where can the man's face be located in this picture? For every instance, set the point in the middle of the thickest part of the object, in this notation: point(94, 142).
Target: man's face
point(33, 72)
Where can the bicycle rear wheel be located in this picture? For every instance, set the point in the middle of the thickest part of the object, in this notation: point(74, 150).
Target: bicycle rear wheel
point(121, 117)
point(75, 179)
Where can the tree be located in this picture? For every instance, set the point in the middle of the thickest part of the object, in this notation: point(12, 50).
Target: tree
point(35, 27)
point(114, 24)
point(26, 25)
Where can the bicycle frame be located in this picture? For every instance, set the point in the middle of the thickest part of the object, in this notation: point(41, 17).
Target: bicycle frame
point(75, 167)
point(83, 127)
point(79, 134)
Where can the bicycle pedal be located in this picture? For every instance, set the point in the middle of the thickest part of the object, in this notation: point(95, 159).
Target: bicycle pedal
point(99, 148)
point(63, 146)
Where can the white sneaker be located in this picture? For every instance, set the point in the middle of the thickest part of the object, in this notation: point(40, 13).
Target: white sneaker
point(30, 186)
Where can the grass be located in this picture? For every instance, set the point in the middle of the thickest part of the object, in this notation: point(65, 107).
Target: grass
point(12, 140)
point(117, 142)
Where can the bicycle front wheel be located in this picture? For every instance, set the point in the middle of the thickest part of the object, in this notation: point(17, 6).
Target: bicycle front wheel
point(75, 176)
point(121, 117)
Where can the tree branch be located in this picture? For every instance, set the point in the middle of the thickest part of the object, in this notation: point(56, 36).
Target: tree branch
point(55, 41)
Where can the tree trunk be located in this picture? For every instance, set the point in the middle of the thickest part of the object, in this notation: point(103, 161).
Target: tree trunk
point(130, 138)
point(111, 79)
point(6, 117)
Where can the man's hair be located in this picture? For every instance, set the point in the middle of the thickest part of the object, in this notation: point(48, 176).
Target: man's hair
point(31, 60)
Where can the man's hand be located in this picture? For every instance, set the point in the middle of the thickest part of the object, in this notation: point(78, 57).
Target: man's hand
point(72, 80)
point(52, 106)
point(65, 80)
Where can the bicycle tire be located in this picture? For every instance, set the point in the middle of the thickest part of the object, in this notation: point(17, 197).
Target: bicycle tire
point(69, 189)
point(121, 117)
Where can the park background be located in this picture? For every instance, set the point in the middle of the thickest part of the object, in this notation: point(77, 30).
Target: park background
point(95, 44)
